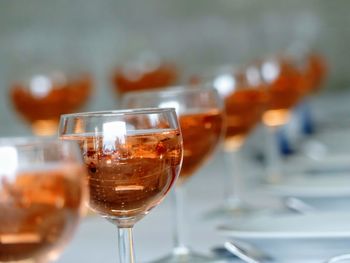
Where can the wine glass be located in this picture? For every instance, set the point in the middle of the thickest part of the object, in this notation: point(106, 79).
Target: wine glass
point(285, 90)
point(42, 195)
point(133, 159)
point(47, 82)
point(245, 97)
point(289, 78)
point(201, 119)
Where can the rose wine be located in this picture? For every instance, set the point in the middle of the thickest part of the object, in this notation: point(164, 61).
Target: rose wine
point(244, 109)
point(130, 174)
point(42, 102)
point(201, 133)
point(40, 209)
point(136, 79)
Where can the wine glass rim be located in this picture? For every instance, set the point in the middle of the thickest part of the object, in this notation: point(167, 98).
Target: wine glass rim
point(120, 112)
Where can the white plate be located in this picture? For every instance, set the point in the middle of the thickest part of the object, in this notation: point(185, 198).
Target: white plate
point(306, 185)
point(323, 152)
point(324, 163)
point(294, 237)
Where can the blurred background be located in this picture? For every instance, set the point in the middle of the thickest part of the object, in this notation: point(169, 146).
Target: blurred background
point(196, 35)
point(65, 56)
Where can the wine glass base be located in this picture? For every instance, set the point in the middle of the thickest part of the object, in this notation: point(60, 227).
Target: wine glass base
point(188, 257)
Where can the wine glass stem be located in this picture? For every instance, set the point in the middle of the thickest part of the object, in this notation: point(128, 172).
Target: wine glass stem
point(273, 155)
point(233, 167)
point(180, 226)
point(126, 245)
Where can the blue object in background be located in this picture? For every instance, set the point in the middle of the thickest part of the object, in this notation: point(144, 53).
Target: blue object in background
point(284, 144)
point(307, 123)
point(301, 124)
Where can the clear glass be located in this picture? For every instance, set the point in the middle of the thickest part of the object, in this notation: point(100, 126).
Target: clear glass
point(42, 195)
point(201, 119)
point(133, 158)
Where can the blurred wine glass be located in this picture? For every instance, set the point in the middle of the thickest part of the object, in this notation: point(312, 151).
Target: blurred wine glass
point(289, 81)
point(201, 120)
point(147, 71)
point(281, 79)
point(245, 97)
point(42, 195)
point(43, 84)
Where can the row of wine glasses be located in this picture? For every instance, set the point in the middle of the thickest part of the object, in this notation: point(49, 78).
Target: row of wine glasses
point(264, 90)
point(133, 157)
point(42, 91)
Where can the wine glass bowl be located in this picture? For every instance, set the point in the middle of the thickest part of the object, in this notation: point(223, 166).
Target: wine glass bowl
point(284, 87)
point(289, 78)
point(42, 193)
point(41, 98)
point(245, 97)
point(146, 72)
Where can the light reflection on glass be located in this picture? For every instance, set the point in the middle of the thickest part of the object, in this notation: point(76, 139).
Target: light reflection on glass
point(270, 71)
point(112, 131)
point(40, 86)
point(8, 161)
point(225, 84)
